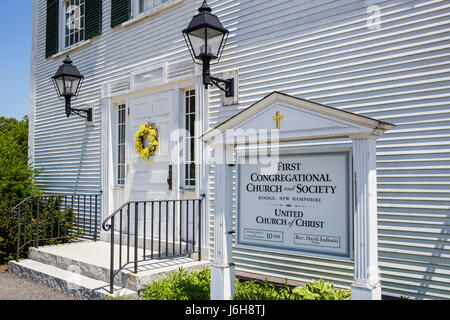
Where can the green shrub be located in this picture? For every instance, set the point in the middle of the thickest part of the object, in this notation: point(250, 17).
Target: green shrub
point(16, 180)
point(320, 290)
point(196, 286)
point(252, 290)
point(317, 290)
point(180, 286)
point(54, 223)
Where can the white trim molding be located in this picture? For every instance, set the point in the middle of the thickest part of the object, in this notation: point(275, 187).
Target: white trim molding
point(138, 16)
point(148, 76)
point(77, 46)
point(324, 122)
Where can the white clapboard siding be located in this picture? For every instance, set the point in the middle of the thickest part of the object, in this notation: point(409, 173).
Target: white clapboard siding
point(69, 152)
point(320, 50)
point(323, 51)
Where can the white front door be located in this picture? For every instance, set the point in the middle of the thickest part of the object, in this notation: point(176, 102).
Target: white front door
point(147, 180)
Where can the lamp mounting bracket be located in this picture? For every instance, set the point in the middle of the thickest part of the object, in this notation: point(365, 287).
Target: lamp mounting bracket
point(84, 113)
point(226, 86)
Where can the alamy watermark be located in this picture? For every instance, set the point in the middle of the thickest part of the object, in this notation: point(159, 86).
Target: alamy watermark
point(373, 21)
point(249, 146)
point(73, 14)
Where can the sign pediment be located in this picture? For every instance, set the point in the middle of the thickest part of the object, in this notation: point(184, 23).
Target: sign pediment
point(292, 118)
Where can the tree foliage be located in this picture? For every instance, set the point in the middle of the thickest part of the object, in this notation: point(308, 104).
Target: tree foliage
point(16, 179)
point(16, 175)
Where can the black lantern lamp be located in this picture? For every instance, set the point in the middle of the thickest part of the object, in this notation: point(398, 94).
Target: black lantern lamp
point(67, 81)
point(206, 37)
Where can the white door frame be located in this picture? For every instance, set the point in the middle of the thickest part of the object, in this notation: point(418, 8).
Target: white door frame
point(108, 105)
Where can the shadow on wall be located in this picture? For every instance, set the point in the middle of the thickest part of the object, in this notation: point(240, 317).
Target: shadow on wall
point(79, 183)
point(441, 244)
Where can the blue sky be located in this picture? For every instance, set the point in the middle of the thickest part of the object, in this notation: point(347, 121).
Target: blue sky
point(15, 27)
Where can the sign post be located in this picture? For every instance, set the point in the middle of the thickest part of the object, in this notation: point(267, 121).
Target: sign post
point(366, 284)
point(222, 266)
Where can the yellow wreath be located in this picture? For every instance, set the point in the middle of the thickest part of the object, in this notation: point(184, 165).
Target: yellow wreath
point(145, 130)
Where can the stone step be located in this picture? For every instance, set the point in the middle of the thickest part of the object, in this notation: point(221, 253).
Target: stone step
point(92, 259)
point(72, 283)
point(86, 268)
point(159, 270)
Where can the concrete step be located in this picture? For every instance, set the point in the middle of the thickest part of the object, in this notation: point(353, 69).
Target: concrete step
point(72, 283)
point(92, 259)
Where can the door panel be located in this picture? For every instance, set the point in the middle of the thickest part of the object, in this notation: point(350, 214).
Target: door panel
point(148, 179)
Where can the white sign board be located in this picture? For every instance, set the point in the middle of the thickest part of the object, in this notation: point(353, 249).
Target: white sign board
point(303, 205)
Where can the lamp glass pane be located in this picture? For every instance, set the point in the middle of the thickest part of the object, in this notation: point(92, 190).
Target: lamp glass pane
point(197, 39)
point(68, 85)
point(71, 84)
point(214, 41)
point(60, 85)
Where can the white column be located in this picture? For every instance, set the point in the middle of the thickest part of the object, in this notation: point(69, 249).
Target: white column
point(222, 267)
point(366, 284)
point(202, 160)
point(107, 166)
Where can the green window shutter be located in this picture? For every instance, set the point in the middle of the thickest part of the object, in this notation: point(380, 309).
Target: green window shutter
point(120, 11)
point(93, 18)
point(51, 44)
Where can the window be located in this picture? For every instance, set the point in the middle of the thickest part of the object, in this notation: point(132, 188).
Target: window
point(145, 5)
point(70, 22)
point(121, 145)
point(124, 10)
point(189, 143)
point(74, 22)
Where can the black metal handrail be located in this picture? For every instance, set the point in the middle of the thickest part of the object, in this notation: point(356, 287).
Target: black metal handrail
point(165, 224)
point(51, 219)
point(19, 204)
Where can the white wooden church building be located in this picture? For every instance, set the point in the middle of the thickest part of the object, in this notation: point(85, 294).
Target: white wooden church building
point(383, 59)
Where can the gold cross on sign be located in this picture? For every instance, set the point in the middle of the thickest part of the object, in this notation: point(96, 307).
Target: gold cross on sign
point(278, 118)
